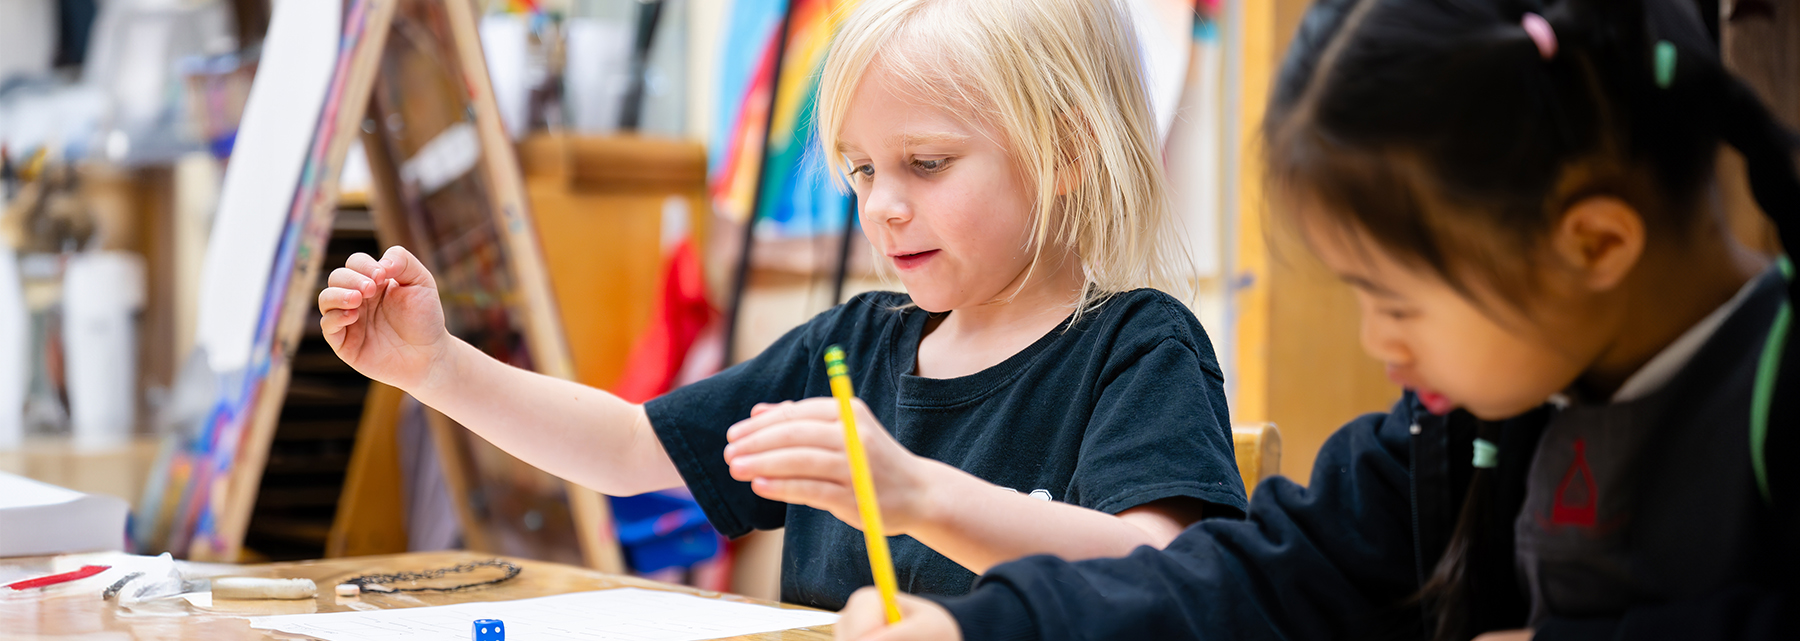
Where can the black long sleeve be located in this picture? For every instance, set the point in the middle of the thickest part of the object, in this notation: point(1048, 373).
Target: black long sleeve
point(1333, 560)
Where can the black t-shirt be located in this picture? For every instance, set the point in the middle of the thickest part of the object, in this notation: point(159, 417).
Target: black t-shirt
point(1125, 408)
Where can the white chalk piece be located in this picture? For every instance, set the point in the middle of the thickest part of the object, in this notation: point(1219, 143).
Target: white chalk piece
point(348, 589)
point(253, 588)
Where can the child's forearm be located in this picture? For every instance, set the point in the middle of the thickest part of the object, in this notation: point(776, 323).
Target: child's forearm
point(980, 525)
point(568, 429)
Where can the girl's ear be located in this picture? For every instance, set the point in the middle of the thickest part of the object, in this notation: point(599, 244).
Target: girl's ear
point(1601, 239)
point(1068, 175)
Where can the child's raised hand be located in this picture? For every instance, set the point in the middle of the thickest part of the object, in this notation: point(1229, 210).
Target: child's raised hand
point(383, 317)
point(794, 452)
point(864, 619)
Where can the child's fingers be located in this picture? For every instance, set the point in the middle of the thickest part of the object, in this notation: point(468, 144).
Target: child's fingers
point(862, 615)
point(793, 463)
point(332, 324)
point(920, 620)
point(824, 409)
point(335, 297)
point(405, 268)
point(762, 415)
point(800, 433)
point(864, 618)
point(816, 494)
point(365, 265)
point(350, 279)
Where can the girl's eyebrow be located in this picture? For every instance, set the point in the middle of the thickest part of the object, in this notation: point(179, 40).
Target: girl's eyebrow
point(911, 139)
point(916, 138)
point(1369, 286)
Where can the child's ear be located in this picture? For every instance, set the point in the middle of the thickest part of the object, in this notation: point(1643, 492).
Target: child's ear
point(1601, 238)
point(1068, 175)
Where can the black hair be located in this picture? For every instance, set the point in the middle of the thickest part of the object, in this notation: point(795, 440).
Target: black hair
point(1439, 130)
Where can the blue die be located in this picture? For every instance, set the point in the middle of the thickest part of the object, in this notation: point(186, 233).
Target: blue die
point(488, 630)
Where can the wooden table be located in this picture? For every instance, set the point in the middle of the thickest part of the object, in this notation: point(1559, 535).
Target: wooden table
point(67, 616)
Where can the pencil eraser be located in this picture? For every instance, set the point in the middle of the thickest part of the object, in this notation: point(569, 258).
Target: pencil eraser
point(488, 630)
point(348, 589)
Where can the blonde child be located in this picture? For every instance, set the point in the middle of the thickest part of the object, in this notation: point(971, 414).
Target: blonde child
point(1028, 394)
point(1600, 428)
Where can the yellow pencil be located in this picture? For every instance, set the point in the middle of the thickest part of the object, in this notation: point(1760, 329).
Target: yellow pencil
point(880, 563)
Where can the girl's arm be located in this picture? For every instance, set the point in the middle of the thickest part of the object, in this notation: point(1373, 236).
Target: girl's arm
point(384, 319)
point(573, 431)
point(1329, 561)
point(980, 525)
point(793, 452)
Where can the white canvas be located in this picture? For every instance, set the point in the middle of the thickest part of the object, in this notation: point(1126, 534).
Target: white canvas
point(272, 145)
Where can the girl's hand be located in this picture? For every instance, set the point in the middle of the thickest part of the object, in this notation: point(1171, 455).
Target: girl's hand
point(794, 452)
point(1508, 635)
point(864, 619)
point(384, 319)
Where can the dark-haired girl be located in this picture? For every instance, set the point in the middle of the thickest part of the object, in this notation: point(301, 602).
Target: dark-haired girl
point(1599, 433)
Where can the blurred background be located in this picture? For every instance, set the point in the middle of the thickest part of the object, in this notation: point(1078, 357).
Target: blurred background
point(618, 192)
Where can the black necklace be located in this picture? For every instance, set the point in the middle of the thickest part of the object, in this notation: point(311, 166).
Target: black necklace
point(382, 582)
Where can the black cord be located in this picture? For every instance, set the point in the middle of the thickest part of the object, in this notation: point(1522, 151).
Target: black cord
point(843, 259)
point(384, 582)
point(631, 113)
point(742, 278)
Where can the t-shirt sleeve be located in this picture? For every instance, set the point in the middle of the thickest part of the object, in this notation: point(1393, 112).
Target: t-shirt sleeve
point(691, 422)
point(1160, 430)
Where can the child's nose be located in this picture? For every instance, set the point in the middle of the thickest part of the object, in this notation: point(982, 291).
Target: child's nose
point(1384, 344)
point(885, 205)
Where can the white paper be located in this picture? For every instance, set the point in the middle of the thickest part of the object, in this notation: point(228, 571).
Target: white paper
point(273, 141)
point(39, 518)
point(444, 158)
point(625, 614)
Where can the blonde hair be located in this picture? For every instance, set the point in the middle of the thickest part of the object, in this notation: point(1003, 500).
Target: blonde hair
point(1061, 81)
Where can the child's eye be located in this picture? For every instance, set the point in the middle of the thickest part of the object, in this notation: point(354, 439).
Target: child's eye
point(931, 165)
point(863, 172)
point(1397, 314)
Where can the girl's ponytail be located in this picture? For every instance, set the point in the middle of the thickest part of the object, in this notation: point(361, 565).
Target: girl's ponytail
point(1452, 590)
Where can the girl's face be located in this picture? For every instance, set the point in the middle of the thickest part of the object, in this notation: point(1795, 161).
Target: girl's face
point(1491, 360)
point(940, 199)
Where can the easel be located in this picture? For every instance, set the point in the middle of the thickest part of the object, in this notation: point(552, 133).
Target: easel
point(398, 220)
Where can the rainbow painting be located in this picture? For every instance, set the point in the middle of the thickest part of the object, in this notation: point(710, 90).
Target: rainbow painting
point(797, 198)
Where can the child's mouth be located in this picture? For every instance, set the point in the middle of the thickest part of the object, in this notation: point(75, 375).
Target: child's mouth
point(1433, 401)
point(906, 262)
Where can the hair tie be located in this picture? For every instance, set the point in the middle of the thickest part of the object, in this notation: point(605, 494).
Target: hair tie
point(1541, 34)
point(1487, 454)
point(1665, 64)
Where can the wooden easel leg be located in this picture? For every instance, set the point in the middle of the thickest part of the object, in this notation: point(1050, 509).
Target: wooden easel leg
point(371, 514)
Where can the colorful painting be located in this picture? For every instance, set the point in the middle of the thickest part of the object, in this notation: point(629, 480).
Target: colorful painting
point(796, 198)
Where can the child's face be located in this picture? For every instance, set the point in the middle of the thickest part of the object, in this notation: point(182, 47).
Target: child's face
point(940, 199)
point(1491, 360)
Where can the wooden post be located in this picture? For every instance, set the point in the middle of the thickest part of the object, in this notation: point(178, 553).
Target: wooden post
point(1299, 361)
point(371, 511)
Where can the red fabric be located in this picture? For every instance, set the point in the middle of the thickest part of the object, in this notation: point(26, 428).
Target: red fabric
point(680, 314)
